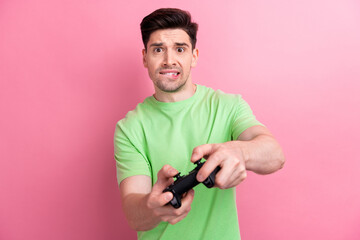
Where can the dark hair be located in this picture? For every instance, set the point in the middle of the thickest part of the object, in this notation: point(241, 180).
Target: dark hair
point(168, 18)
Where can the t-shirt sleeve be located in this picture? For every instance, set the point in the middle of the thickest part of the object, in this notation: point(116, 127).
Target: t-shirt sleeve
point(243, 117)
point(129, 160)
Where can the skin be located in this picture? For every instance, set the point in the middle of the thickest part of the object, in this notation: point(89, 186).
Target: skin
point(255, 149)
point(170, 49)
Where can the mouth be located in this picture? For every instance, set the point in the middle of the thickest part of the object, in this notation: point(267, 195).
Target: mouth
point(170, 73)
point(174, 74)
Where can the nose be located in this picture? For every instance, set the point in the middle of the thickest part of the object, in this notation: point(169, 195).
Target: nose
point(169, 59)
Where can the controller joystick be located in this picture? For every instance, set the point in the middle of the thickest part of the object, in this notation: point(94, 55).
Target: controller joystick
point(183, 184)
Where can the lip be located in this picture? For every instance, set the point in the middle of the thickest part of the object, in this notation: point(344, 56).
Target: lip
point(170, 73)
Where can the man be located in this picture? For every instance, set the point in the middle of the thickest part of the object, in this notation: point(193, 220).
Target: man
point(180, 124)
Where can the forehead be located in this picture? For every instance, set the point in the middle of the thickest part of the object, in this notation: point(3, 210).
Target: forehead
point(169, 37)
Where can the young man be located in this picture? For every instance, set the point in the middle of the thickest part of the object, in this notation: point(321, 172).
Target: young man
point(180, 124)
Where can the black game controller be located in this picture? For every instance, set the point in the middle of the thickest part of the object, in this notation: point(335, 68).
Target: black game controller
point(183, 184)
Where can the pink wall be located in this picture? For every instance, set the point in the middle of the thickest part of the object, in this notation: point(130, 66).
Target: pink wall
point(69, 70)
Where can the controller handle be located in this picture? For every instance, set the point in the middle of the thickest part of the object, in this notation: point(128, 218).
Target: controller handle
point(209, 182)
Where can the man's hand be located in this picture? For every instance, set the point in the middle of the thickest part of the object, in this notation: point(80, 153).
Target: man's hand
point(145, 206)
point(255, 150)
point(229, 156)
point(157, 200)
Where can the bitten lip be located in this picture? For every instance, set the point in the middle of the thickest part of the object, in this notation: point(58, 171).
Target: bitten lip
point(169, 71)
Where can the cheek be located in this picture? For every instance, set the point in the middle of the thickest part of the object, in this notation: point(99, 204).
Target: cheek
point(193, 62)
point(153, 64)
point(189, 63)
point(149, 65)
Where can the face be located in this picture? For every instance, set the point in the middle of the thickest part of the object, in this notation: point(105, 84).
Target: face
point(169, 59)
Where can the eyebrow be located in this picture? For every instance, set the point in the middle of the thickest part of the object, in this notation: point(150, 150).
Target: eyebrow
point(156, 45)
point(182, 44)
point(161, 44)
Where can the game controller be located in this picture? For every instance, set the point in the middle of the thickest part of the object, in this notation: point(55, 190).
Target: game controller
point(183, 184)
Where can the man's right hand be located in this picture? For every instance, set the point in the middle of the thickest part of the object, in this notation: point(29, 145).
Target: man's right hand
point(145, 206)
point(157, 200)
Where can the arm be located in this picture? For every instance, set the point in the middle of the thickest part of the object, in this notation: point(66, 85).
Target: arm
point(262, 153)
point(255, 150)
point(145, 206)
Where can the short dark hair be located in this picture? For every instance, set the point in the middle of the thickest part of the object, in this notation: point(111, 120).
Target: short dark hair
point(168, 18)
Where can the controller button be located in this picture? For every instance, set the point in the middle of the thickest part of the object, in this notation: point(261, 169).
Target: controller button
point(177, 176)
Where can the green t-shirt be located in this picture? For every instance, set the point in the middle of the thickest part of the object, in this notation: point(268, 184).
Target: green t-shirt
point(158, 133)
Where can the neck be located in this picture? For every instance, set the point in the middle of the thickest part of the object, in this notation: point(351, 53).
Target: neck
point(187, 91)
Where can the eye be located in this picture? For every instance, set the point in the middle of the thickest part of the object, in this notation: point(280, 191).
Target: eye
point(158, 50)
point(180, 49)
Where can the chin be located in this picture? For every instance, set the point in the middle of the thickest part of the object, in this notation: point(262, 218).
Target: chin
point(170, 87)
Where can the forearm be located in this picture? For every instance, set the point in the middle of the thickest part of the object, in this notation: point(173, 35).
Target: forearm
point(138, 215)
point(263, 154)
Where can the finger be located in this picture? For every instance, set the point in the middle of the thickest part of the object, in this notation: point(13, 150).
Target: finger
point(232, 182)
point(156, 201)
point(209, 166)
point(226, 175)
point(164, 178)
point(230, 175)
point(173, 221)
point(188, 199)
point(166, 172)
point(201, 151)
point(237, 178)
point(185, 208)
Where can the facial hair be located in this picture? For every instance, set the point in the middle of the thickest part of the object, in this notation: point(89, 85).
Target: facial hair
point(167, 85)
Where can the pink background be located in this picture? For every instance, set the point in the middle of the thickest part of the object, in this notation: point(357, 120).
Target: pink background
point(69, 70)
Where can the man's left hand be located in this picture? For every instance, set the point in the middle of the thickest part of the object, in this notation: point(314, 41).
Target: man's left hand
point(229, 156)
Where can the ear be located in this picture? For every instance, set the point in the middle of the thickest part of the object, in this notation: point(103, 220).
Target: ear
point(144, 58)
point(195, 56)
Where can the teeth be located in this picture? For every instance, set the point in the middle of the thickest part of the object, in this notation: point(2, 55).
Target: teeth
point(170, 73)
